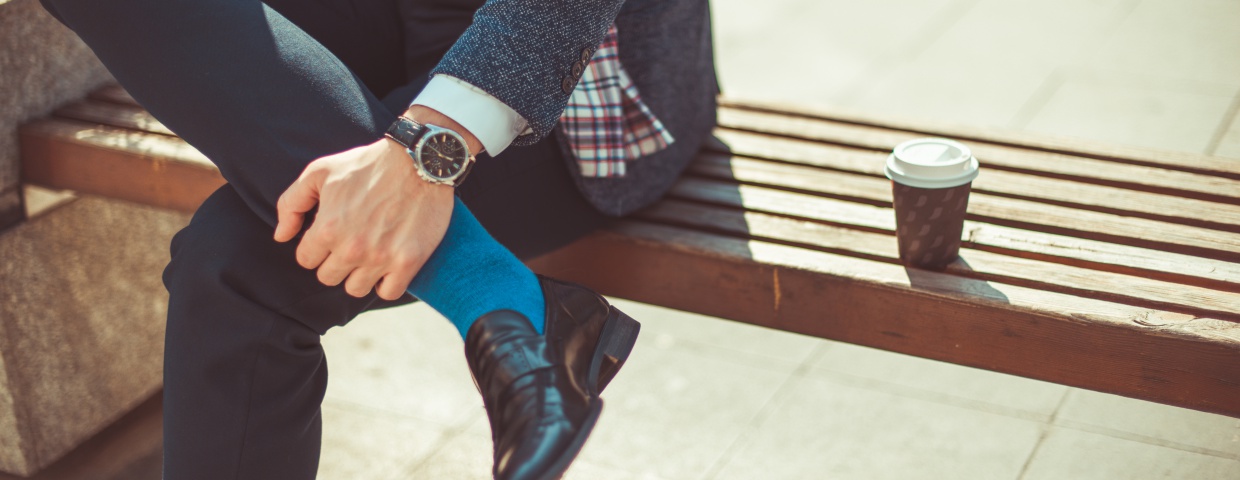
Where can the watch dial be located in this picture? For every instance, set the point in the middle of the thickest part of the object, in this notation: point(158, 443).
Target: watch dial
point(443, 155)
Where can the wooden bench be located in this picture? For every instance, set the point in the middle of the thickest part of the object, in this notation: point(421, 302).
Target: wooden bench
point(1107, 268)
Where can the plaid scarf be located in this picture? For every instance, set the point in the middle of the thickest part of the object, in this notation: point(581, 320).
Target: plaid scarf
point(605, 121)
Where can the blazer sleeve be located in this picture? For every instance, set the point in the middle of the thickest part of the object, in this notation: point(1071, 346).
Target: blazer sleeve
point(529, 54)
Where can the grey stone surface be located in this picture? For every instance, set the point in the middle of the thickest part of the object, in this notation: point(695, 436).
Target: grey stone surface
point(42, 65)
point(81, 324)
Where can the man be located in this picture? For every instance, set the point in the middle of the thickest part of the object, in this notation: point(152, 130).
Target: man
point(298, 104)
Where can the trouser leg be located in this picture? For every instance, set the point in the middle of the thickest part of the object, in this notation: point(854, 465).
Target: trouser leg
point(237, 80)
point(244, 373)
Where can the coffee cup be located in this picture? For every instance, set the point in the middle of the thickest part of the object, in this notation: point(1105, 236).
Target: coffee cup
point(930, 183)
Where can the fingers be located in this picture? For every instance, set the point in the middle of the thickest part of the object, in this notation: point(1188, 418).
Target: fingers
point(293, 204)
point(394, 284)
point(315, 246)
point(334, 270)
point(362, 281)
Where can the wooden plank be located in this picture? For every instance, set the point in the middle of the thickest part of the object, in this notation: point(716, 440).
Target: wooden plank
point(1012, 212)
point(130, 117)
point(1142, 353)
point(113, 93)
point(1126, 289)
point(140, 167)
point(1055, 165)
point(1183, 161)
point(1098, 198)
point(980, 235)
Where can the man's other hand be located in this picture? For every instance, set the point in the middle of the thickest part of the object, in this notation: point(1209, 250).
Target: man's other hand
point(377, 221)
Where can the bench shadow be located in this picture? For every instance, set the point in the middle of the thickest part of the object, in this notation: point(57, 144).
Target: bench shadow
point(959, 277)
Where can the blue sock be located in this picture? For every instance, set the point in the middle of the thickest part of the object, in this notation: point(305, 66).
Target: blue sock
point(470, 274)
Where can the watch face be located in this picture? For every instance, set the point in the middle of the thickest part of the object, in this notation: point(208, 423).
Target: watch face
point(443, 155)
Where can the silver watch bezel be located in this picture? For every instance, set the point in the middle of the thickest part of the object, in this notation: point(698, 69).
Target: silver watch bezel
point(416, 154)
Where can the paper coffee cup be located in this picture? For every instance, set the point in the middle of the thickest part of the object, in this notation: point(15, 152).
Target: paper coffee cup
point(931, 179)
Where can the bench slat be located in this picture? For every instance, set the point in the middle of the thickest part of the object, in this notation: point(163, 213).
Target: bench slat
point(1056, 165)
point(1099, 198)
point(994, 210)
point(1105, 256)
point(1126, 289)
point(131, 117)
point(113, 93)
point(1142, 353)
point(135, 166)
point(1183, 161)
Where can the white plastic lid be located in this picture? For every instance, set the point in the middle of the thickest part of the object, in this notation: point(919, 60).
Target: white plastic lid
point(932, 163)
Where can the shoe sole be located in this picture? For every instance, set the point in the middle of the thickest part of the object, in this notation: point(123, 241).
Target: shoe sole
point(557, 469)
point(615, 343)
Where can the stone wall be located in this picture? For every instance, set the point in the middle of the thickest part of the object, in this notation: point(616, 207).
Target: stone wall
point(82, 313)
point(81, 304)
point(42, 65)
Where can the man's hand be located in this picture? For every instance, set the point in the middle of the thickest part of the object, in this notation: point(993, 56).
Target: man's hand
point(377, 222)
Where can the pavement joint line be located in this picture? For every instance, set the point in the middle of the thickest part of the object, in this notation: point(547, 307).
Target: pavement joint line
point(359, 407)
point(1146, 439)
point(1224, 126)
point(939, 24)
point(1046, 431)
point(777, 399)
point(1037, 100)
point(922, 394)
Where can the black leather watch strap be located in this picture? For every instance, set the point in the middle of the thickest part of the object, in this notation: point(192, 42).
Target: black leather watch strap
point(405, 131)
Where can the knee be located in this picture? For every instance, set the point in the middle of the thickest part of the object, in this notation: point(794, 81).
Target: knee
point(225, 263)
point(223, 242)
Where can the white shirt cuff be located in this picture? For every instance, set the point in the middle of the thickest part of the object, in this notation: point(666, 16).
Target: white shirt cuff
point(494, 123)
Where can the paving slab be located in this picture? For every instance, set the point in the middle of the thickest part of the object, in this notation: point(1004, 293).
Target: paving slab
point(673, 412)
point(824, 429)
point(940, 382)
point(1146, 110)
point(1068, 453)
point(407, 360)
point(361, 442)
point(1152, 423)
point(1190, 39)
point(814, 51)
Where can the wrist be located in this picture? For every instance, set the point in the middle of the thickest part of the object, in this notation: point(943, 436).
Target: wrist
point(426, 115)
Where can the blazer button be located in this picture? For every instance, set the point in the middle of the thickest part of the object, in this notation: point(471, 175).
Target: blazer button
point(577, 69)
point(568, 84)
point(586, 54)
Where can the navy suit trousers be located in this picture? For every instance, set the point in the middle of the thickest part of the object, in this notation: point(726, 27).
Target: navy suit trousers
point(263, 89)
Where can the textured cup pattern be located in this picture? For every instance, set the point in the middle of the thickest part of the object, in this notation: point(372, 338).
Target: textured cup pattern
point(929, 222)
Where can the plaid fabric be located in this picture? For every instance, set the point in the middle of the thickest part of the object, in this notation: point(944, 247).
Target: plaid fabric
point(605, 121)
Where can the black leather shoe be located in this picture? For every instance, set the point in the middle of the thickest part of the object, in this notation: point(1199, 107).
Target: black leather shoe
point(585, 333)
point(539, 419)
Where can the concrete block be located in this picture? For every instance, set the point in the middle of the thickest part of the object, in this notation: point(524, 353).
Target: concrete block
point(82, 313)
point(42, 65)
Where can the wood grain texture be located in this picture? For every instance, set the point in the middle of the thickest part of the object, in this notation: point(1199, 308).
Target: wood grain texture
point(1183, 161)
point(1085, 196)
point(994, 210)
point(1065, 249)
point(131, 117)
point(1049, 164)
point(113, 93)
point(980, 264)
point(1142, 353)
point(135, 166)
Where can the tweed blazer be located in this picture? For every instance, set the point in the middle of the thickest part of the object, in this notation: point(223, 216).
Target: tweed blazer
point(522, 52)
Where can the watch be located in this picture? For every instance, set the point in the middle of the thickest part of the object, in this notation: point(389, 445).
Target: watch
point(440, 154)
